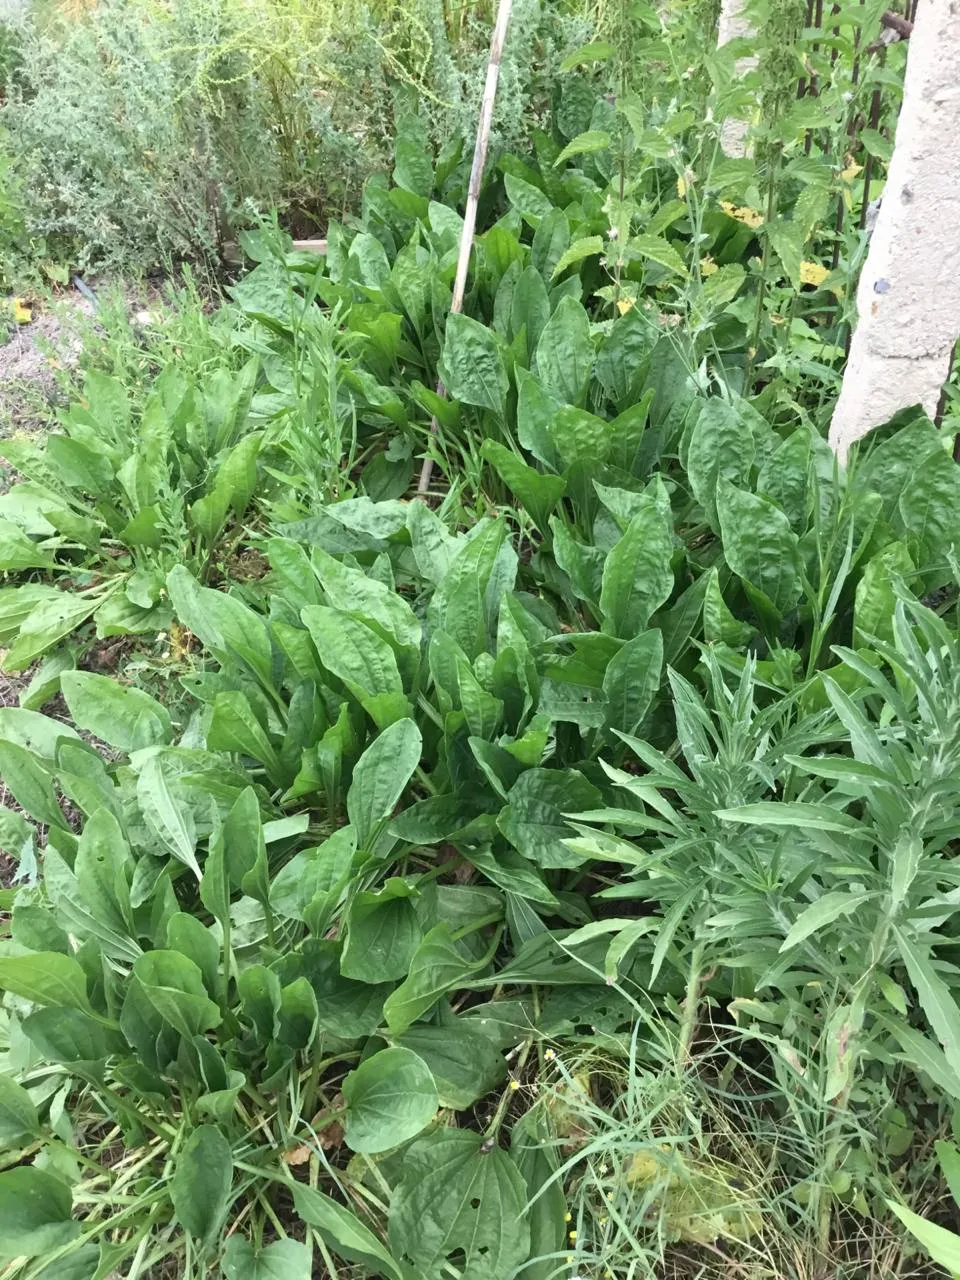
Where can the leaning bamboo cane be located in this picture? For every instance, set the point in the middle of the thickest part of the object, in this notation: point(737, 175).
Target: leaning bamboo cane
point(473, 196)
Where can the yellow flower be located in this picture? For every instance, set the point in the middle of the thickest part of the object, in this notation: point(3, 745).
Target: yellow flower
point(568, 1217)
point(21, 312)
point(514, 1084)
point(708, 267)
point(813, 273)
point(682, 187)
point(749, 217)
point(852, 169)
point(571, 1236)
point(624, 305)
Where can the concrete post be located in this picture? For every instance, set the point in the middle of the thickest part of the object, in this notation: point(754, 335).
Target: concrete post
point(734, 25)
point(908, 299)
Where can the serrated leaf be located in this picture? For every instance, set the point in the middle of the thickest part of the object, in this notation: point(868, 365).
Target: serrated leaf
point(658, 249)
point(585, 247)
point(583, 144)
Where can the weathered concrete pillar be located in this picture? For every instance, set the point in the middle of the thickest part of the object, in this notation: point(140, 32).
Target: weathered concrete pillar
point(734, 25)
point(908, 298)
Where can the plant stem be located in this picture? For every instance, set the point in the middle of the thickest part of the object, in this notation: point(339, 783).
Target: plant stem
point(690, 1006)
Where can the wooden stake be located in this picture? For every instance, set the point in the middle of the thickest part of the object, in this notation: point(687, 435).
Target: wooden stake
point(473, 196)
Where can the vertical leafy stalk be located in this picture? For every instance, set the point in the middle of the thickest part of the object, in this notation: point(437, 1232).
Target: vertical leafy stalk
point(778, 74)
point(497, 41)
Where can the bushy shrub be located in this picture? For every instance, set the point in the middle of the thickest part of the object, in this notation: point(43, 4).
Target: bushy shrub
point(149, 132)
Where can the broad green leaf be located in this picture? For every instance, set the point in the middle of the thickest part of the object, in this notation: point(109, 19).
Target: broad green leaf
point(281, 1260)
point(103, 868)
point(631, 680)
point(942, 1245)
point(876, 595)
point(538, 493)
point(637, 577)
point(380, 777)
point(578, 436)
point(785, 478)
point(533, 819)
point(550, 241)
point(877, 145)
point(237, 475)
point(472, 367)
point(30, 784)
point(623, 359)
point(759, 545)
point(170, 821)
point(719, 624)
point(343, 1231)
point(234, 727)
point(225, 625)
point(583, 144)
point(124, 717)
point(201, 1184)
point(51, 618)
point(438, 964)
point(18, 1115)
point(526, 198)
point(658, 249)
point(467, 602)
point(465, 1064)
point(530, 306)
point(362, 659)
point(721, 446)
point(413, 168)
point(565, 353)
point(383, 932)
point(595, 51)
point(390, 1098)
point(821, 913)
point(19, 552)
point(35, 1213)
point(928, 500)
point(68, 1035)
point(457, 1200)
point(46, 978)
point(374, 602)
point(786, 239)
point(174, 986)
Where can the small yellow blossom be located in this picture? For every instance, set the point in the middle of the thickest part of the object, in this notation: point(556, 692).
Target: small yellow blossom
point(568, 1217)
point(749, 217)
point(682, 187)
point(21, 312)
point(514, 1084)
point(852, 169)
point(778, 319)
point(813, 273)
point(624, 305)
point(549, 1055)
point(572, 1236)
point(708, 267)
